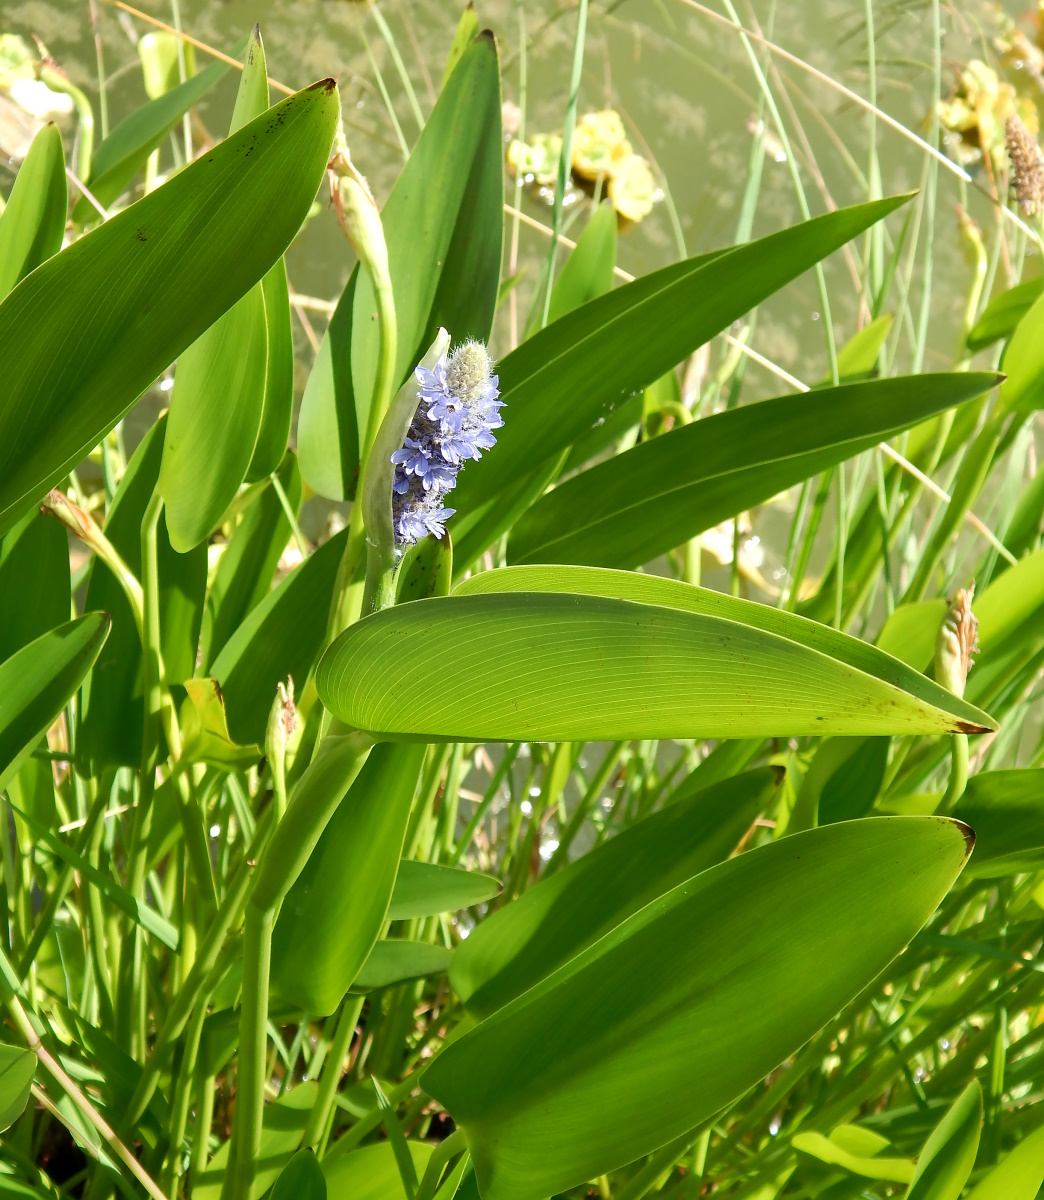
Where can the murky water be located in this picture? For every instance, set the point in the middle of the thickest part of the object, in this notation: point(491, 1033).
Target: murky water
point(685, 88)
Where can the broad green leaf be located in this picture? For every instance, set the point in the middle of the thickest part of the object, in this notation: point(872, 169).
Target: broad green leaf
point(910, 632)
point(527, 666)
point(948, 1156)
point(650, 589)
point(17, 1068)
point(898, 1170)
point(1006, 810)
point(204, 729)
point(706, 998)
point(423, 889)
point(283, 1123)
point(1003, 314)
point(567, 912)
point(397, 960)
point(301, 1179)
point(443, 223)
point(281, 636)
point(370, 1173)
point(574, 373)
point(634, 507)
point(123, 153)
point(37, 682)
point(850, 791)
point(1019, 1176)
point(32, 223)
point(91, 328)
point(588, 271)
point(34, 581)
point(112, 709)
point(1024, 529)
point(1023, 363)
point(32, 791)
point(138, 911)
point(333, 915)
point(244, 574)
point(215, 414)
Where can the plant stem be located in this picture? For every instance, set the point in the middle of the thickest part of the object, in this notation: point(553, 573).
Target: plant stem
point(333, 1069)
point(958, 772)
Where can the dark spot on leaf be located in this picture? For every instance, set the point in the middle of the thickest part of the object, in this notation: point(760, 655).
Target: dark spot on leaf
point(971, 727)
point(142, 234)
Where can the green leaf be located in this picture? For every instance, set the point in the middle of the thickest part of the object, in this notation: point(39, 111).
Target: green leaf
point(112, 709)
point(427, 570)
point(898, 1170)
point(649, 589)
point(1003, 313)
point(574, 373)
point(634, 507)
point(443, 223)
point(283, 1123)
point(588, 271)
point(138, 911)
point(397, 960)
point(528, 666)
point(282, 636)
point(37, 682)
point(561, 1086)
point(124, 152)
point(34, 581)
point(1023, 363)
point(204, 729)
point(949, 1154)
point(92, 327)
point(911, 630)
point(33, 222)
point(370, 1173)
point(565, 913)
point(279, 379)
point(467, 28)
point(17, 1068)
point(244, 574)
point(858, 357)
point(301, 1179)
point(1019, 1176)
point(215, 415)
point(333, 915)
point(1006, 810)
point(423, 889)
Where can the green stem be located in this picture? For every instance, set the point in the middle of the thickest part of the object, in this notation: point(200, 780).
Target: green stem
point(565, 158)
point(958, 772)
point(447, 1149)
point(333, 1069)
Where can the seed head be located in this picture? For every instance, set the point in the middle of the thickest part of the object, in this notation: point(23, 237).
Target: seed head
point(1027, 164)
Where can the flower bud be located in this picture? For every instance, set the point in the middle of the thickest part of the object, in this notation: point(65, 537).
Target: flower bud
point(956, 643)
point(358, 214)
point(282, 720)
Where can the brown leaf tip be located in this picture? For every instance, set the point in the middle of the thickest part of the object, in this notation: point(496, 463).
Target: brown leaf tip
point(969, 836)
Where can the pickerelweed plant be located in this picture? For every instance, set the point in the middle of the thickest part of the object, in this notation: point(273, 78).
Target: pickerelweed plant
point(473, 848)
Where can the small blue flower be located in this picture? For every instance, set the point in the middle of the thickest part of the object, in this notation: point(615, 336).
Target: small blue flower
point(459, 409)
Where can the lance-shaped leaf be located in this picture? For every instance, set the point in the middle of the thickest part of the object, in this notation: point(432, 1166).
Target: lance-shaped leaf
point(634, 507)
point(34, 581)
point(571, 375)
point(88, 331)
point(332, 916)
point(1006, 810)
point(1019, 1176)
point(559, 666)
point(396, 960)
point(689, 1002)
point(948, 1156)
point(1003, 313)
point(443, 223)
point(525, 941)
point(17, 1068)
point(653, 589)
point(37, 682)
point(33, 222)
point(424, 889)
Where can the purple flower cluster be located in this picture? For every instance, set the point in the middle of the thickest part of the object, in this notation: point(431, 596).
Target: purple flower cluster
point(458, 411)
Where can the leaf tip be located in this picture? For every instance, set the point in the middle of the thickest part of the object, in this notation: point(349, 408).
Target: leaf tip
point(968, 834)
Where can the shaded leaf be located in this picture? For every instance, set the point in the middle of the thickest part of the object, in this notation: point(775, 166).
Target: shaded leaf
point(396, 960)
point(32, 223)
point(423, 889)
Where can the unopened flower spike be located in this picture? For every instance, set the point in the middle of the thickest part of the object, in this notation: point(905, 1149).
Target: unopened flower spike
point(956, 643)
point(458, 409)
